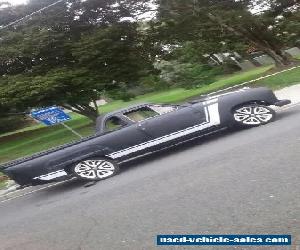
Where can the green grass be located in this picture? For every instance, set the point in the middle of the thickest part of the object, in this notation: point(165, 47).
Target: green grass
point(180, 94)
point(2, 183)
point(37, 138)
point(282, 80)
point(297, 57)
point(28, 142)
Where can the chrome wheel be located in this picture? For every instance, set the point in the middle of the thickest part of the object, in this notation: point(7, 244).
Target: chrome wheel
point(253, 115)
point(95, 169)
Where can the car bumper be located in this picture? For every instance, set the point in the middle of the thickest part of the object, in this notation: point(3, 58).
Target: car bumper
point(281, 103)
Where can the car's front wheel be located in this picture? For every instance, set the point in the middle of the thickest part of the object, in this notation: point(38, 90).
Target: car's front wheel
point(95, 169)
point(251, 115)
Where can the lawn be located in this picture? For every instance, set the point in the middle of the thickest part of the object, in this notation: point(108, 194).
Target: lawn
point(282, 80)
point(37, 138)
point(2, 182)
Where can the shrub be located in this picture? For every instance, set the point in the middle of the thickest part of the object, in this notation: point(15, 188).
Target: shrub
point(188, 75)
point(11, 123)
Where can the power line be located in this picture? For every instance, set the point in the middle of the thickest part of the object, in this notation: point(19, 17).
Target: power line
point(29, 15)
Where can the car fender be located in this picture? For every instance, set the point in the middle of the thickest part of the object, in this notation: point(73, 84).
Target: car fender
point(29, 172)
point(228, 102)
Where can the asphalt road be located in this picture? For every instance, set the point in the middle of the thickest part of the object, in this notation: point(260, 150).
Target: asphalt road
point(242, 182)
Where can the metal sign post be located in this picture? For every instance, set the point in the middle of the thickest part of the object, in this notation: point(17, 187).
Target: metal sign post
point(73, 131)
point(52, 116)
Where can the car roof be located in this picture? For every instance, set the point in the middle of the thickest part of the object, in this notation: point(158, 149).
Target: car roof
point(119, 113)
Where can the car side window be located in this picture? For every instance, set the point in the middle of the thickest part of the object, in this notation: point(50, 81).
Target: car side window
point(162, 109)
point(114, 123)
point(141, 114)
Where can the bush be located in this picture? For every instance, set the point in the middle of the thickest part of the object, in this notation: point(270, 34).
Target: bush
point(229, 67)
point(188, 75)
point(11, 123)
point(152, 83)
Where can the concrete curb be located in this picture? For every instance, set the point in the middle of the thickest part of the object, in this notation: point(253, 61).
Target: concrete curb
point(11, 186)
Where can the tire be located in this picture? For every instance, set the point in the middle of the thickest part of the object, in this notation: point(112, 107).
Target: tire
point(253, 115)
point(95, 169)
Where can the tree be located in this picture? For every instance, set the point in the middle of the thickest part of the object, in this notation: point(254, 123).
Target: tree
point(283, 19)
point(274, 8)
point(117, 51)
point(187, 75)
point(71, 54)
point(212, 21)
point(104, 61)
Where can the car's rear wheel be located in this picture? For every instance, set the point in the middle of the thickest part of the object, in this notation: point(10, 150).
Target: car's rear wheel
point(251, 115)
point(95, 169)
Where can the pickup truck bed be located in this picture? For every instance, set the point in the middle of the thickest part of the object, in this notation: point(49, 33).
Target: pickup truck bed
point(45, 152)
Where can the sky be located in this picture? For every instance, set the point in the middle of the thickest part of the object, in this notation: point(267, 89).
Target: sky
point(255, 10)
point(14, 2)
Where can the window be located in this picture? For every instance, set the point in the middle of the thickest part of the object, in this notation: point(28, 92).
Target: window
point(141, 114)
point(114, 123)
point(163, 109)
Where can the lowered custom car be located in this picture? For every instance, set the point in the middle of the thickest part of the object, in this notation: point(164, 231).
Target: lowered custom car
point(143, 129)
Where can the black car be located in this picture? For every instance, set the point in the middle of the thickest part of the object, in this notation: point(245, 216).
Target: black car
point(143, 129)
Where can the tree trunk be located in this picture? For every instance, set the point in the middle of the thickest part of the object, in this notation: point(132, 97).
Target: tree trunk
point(84, 109)
point(280, 60)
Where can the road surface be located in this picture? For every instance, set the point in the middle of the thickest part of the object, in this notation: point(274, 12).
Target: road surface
point(242, 182)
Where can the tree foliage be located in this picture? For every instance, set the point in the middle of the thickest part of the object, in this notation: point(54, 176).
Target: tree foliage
point(71, 54)
point(76, 51)
point(230, 22)
point(187, 75)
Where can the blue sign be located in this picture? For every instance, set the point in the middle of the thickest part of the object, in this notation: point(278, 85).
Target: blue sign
point(50, 116)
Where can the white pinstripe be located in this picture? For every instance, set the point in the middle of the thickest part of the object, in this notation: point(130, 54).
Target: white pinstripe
point(212, 119)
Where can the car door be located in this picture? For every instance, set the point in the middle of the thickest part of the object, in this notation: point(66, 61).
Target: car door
point(183, 124)
point(163, 130)
point(154, 126)
point(174, 126)
point(120, 137)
